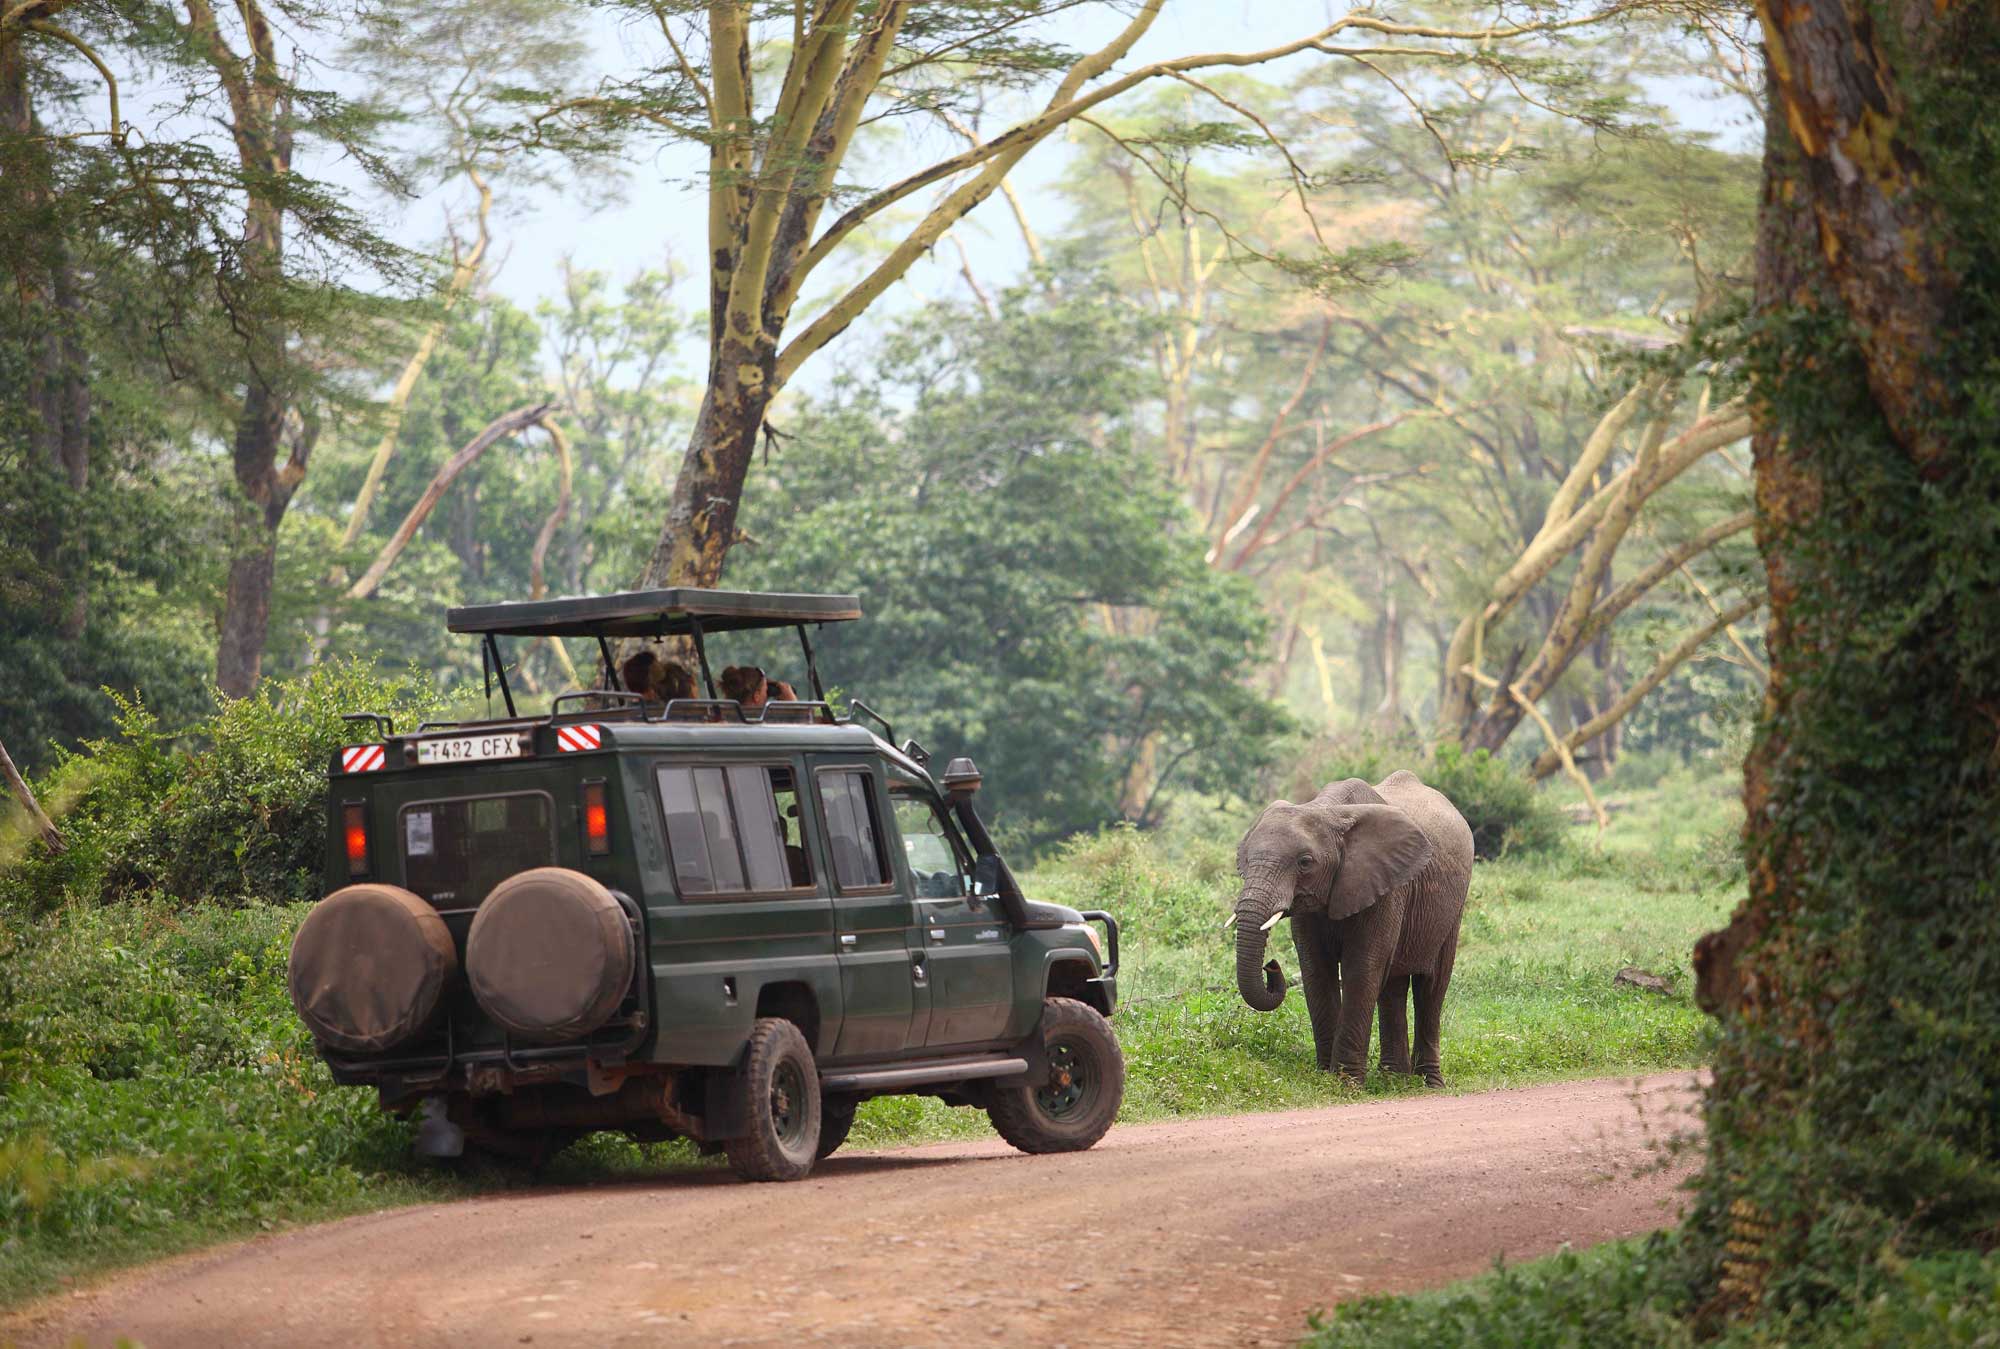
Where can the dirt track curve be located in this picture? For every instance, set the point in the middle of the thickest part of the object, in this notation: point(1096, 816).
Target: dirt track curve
point(1204, 1232)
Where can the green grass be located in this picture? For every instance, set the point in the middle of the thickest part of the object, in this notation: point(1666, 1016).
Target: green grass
point(157, 1093)
point(1634, 1293)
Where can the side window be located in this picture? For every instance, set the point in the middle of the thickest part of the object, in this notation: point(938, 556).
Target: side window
point(733, 829)
point(853, 830)
point(937, 861)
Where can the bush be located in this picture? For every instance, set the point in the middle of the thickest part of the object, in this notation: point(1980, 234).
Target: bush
point(1507, 812)
point(242, 819)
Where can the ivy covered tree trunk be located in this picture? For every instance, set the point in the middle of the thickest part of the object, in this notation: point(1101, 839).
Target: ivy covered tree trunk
point(1854, 1117)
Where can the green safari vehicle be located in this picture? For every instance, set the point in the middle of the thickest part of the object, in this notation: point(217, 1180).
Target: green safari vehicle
point(691, 919)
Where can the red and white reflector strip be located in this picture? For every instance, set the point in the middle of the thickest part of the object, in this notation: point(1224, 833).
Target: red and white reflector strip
point(579, 737)
point(363, 758)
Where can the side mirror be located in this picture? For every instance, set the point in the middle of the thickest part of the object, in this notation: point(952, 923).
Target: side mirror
point(986, 874)
point(960, 779)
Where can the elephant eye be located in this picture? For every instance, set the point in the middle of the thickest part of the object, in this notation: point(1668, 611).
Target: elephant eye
point(1305, 861)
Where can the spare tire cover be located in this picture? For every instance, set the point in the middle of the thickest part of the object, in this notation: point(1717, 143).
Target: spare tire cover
point(550, 954)
point(368, 967)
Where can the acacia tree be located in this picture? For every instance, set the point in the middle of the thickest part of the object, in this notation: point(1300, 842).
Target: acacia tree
point(1852, 1112)
point(775, 166)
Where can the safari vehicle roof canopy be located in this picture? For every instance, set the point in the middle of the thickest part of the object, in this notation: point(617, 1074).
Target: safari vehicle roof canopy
point(652, 613)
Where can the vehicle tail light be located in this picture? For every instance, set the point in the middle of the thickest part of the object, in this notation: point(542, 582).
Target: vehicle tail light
point(596, 820)
point(354, 818)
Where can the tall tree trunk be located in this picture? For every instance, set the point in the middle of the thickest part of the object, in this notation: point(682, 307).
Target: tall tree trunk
point(701, 518)
point(1852, 1113)
point(246, 604)
point(58, 388)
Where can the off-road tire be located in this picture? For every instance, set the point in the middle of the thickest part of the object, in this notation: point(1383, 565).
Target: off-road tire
point(778, 1095)
point(1066, 1115)
point(836, 1117)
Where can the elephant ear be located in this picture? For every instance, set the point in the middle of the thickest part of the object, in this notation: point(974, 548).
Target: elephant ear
point(1383, 848)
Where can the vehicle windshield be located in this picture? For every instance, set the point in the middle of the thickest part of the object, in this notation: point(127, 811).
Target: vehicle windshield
point(939, 862)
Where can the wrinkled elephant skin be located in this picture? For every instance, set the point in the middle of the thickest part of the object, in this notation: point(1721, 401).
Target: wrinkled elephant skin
point(1374, 881)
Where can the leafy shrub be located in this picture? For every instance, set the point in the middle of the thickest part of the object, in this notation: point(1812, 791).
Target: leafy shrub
point(1507, 812)
point(241, 819)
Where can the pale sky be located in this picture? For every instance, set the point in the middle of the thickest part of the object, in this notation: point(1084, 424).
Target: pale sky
point(660, 211)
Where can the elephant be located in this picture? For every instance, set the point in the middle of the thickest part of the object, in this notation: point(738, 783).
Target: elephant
point(1374, 881)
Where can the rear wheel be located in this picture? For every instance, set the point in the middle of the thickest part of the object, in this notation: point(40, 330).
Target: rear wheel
point(779, 1098)
point(836, 1117)
point(1076, 1106)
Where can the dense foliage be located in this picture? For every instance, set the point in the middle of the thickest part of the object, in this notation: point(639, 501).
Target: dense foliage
point(1036, 595)
point(230, 811)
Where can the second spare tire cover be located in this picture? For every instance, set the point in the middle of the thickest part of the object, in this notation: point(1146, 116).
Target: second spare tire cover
point(550, 954)
point(368, 966)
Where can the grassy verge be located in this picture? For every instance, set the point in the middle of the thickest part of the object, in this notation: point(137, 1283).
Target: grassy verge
point(1634, 1293)
point(157, 1093)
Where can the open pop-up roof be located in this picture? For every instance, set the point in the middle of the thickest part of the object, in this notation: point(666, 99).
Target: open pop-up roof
point(652, 613)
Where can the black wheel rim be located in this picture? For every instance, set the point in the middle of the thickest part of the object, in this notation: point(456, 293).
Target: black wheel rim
point(788, 1103)
point(1072, 1083)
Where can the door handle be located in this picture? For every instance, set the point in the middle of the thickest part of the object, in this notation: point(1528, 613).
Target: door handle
point(918, 974)
point(937, 934)
point(847, 939)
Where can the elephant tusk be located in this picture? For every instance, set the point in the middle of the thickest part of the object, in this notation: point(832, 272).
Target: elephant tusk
point(1229, 923)
point(1275, 919)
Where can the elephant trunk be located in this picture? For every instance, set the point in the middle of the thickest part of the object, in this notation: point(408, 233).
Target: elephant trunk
point(1262, 986)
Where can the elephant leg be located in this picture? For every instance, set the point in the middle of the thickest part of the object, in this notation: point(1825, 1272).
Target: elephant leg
point(1430, 990)
point(1319, 978)
point(1363, 965)
point(1393, 1007)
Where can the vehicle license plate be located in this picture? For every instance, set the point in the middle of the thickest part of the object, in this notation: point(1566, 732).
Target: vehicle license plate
point(466, 748)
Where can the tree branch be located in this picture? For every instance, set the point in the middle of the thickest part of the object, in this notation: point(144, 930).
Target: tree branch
point(500, 427)
point(1672, 660)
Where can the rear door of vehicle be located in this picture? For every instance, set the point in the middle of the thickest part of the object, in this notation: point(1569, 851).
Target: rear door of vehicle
point(883, 980)
point(965, 936)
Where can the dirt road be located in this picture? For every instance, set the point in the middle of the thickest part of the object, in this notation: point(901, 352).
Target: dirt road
point(1207, 1232)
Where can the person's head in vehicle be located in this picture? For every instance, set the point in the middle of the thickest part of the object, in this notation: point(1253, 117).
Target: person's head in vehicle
point(747, 683)
point(638, 672)
point(656, 680)
point(673, 680)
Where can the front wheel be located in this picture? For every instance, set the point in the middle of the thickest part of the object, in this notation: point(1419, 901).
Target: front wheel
point(1086, 1084)
point(779, 1097)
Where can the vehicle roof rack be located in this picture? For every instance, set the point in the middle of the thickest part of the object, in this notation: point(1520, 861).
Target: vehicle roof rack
point(652, 613)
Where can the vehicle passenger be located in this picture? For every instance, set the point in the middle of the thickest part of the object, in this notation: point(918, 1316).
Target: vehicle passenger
point(674, 681)
point(750, 686)
point(747, 685)
point(656, 680)
point(639, 672)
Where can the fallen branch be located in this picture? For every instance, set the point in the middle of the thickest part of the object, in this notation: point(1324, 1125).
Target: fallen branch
point(43, 824)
